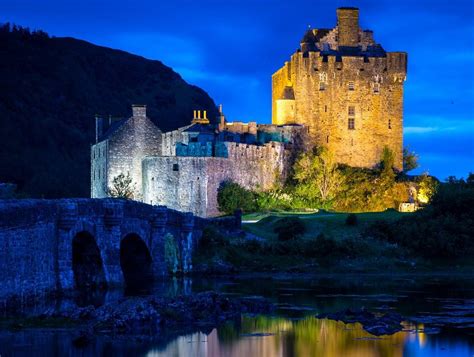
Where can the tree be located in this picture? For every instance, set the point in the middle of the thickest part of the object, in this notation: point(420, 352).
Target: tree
point(410, 160)
point(231, 196)
point(427, 187)
point(317, 175)
point(123, 187)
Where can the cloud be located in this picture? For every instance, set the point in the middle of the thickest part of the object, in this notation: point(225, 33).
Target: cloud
point(418, 130)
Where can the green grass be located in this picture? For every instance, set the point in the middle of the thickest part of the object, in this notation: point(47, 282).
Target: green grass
point(329, 223)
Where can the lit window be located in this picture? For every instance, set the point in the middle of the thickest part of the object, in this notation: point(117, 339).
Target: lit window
point(351, 111)
point(351, 85)
point(351, 124)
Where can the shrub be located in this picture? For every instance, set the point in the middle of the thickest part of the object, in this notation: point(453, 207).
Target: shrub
point(443, 229)
point(211, 238)
point(231, 196)
point(351, 220)
point(325, 246)
point(289, 228)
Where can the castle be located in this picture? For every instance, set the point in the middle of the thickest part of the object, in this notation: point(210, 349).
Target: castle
point(347, 89)
point(341, 90)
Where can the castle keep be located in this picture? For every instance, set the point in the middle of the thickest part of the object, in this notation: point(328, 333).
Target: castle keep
point(340, 90)
point(347, 89)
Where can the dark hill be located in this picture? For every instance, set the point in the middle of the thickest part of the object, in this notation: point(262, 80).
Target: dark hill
point(50, 90)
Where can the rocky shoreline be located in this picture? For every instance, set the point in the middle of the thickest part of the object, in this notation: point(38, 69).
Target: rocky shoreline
point(150, 317)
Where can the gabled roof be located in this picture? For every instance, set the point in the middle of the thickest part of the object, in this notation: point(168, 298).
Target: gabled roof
point(117, 124)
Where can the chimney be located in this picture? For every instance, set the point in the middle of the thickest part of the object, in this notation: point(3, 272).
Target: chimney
point(139, 111)
point(99, 127)
point(348, 26)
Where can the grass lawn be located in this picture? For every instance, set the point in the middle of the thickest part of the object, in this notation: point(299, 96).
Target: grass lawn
point(329, 223)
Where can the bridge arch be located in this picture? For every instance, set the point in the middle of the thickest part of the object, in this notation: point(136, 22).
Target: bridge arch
point(87, 265)
point(135, 261)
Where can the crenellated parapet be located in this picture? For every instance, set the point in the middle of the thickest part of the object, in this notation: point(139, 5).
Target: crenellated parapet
point(347, 90)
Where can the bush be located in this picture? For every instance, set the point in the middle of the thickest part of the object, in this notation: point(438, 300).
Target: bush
point(445, 229)
point(211, 239)
point(351, 220)
point(289, 228)
point(325, 246)
point(231, 196)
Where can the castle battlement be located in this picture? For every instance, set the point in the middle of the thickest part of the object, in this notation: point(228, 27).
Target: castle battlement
point(347, 90)
point(340, 90)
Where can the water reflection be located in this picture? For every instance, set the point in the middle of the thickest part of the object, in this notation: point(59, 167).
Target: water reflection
point(272, 336)
point(294, 331)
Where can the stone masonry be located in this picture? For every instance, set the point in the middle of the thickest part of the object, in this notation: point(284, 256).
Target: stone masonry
point(37, 253)
point(347, 90)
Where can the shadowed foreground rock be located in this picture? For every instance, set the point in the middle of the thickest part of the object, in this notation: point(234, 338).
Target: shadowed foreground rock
point(152, 315)
point(375, 324)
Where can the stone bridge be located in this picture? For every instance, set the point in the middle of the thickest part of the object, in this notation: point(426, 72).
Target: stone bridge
point(53, 245)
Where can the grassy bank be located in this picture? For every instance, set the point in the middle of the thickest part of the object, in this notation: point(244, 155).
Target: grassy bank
point(327, 244)
point(328, 223)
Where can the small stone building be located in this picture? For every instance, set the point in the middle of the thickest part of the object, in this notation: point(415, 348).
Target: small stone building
point(184, 168)
point(347, 89)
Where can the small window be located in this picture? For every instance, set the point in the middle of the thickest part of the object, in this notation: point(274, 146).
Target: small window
point(376, 88)
point(351, 110)
point(351, 85)
point(351, 124)
point(175, 167)
point(327, 139)
point(322, 86)
point(325, 108)
point(389, 124)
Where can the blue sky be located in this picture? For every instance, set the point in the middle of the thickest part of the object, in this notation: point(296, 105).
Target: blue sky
point(230, 48)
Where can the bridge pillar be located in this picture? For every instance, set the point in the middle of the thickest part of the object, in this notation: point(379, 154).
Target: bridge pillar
point(157, 241)
point(67, 218)
point(186, 242)
point(110, 244)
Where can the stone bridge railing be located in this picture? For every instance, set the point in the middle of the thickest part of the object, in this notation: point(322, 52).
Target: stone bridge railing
point(48, 245)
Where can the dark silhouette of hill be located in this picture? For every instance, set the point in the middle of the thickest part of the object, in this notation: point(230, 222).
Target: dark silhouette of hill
point(50, 90)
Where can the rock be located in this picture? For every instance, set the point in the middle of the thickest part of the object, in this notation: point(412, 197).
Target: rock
point(151, 314)
point(82, 340)
point(375, 324)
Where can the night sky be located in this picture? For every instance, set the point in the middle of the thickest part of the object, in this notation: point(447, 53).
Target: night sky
point(231, 48)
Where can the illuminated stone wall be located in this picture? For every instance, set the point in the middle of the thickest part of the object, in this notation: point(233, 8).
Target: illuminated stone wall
point(329, 79)
point(122, 152)
point(190, 184)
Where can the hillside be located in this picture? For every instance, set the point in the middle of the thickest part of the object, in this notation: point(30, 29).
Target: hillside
point(50, 90)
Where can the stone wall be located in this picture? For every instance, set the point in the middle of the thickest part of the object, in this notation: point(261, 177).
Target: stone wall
point(36, 239)
point(99, 172)
point(136, 138)
point(190, 184)
point(331, 89)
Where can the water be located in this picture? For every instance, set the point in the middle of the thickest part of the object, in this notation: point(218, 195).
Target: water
point(293, 330)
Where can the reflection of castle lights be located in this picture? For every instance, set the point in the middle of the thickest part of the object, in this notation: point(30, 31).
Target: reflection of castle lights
point(421, 335)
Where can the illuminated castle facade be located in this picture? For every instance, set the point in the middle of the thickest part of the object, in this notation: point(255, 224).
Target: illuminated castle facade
point(341, 90)
point(347, 90)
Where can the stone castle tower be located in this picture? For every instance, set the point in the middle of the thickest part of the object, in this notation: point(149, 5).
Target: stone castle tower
point(347, 89)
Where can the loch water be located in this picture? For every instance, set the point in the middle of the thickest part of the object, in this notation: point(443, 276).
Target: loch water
point(439, 313)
